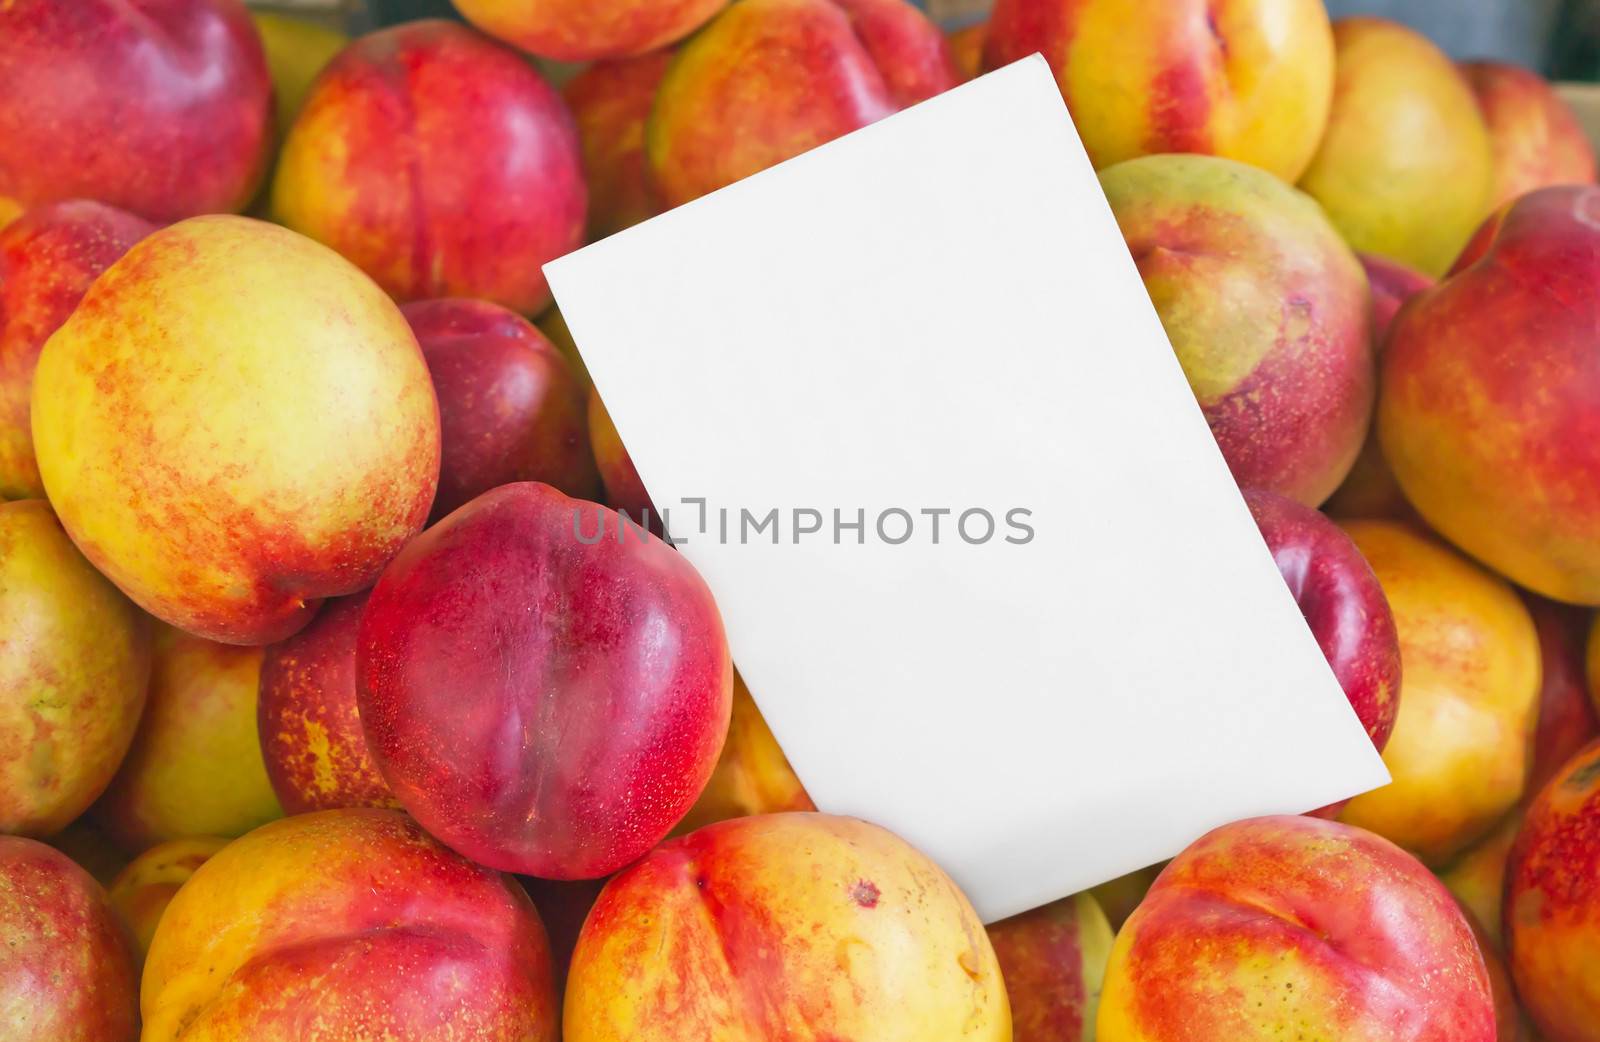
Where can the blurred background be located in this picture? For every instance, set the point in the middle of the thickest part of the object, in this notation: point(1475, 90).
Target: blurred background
point(1554, 36)
point(1560, 38)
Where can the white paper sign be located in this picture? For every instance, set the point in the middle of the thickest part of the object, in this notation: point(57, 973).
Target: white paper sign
point(938, 313)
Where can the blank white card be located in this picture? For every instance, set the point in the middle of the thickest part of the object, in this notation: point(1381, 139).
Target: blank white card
point(911, 414)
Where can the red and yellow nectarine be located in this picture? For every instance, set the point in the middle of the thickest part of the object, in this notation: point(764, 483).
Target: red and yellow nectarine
point(611, 102)
point(586, 30)
point(785, 926)
point(311, 737)
point(195, 768)
point(1489, 404)
point(234, 424)
point(1537, 140)
point(74, 670)
point(1296, 928)
point(1370, 490)
point(440, 163)
point(347, 924)
point(142, 890)
point(1267, 309)
point(1405, 169)
point(66, 969)
point(770, 79)
point(1248, 80)
point(1552, 912)
point(752, 776)
point(1054, 961)
point(1469, 690)
point(48, 258)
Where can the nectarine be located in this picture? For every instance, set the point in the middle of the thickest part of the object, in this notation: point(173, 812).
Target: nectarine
point(1469, 690)
point(48, 258)
point(1267, 309)
point(440, 163)
point(1245, 79)
point(785, 926)
point(510, 407)
point(347, 924)
point(1054, 961)
point(234, 424)
point(66, 969)
point(141, 892)
point(1405, 169)
point(752, 776)
point(611, 102)
point(195, 768)
point(1286, 927)
point(1537, 140)
point(311, 737)
point(1490, 408)
point(163, 107)
point(545, 689)
point(74, 669)
point(1552, 912)
point(770, 79)
point(585, 30)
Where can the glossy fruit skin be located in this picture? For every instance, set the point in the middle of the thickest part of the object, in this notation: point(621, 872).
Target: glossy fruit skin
point(785, 926)
point(1343, 604)
point(74, 670)
point(310, 724)
point(160, 107)
point(1249, 80)
point(66, 971)
point(1293, 926)
point(195, 767)
point(1552, 910)
point(438, 162)
point(183, 418)
point(510, 407)
point(545, 696)
point(1470, 667)
point(1405, 169)
point(589, 30)
point(48, 258)
point(1267, 310)
point(770, 79)
point(1054, 961)
point(347, 924)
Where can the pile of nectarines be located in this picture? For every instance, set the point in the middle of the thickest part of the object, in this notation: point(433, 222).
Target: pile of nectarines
point(317, 724)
